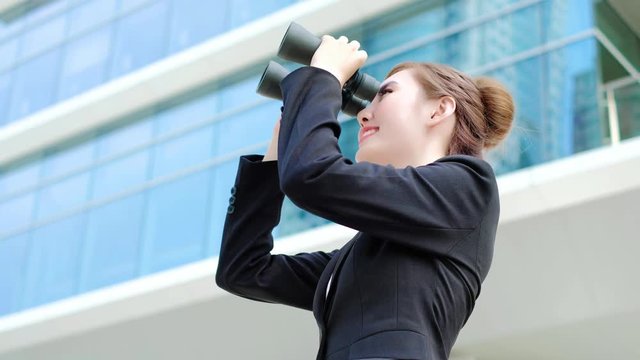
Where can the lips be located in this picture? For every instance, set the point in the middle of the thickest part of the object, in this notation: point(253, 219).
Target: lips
point(367, 131)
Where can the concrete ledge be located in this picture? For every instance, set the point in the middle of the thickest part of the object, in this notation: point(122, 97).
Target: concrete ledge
point(7, 5)
point(580, 178)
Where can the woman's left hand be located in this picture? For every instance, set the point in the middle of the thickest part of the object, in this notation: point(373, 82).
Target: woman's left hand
point(339, 57)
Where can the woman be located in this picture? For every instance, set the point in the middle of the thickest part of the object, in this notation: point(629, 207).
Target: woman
point(424, 203)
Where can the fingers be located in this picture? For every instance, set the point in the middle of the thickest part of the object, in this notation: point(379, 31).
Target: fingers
point(342, 39)
point(340, 56)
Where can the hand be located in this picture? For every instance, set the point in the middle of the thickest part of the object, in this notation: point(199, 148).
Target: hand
point(339, 57)
point(272, 151)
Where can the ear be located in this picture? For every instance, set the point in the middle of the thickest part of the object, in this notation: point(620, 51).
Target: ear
point(445, 107)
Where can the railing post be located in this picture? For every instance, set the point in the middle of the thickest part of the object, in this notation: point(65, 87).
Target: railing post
point(614, 125)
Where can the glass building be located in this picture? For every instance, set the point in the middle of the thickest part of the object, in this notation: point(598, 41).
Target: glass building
point(139, 183)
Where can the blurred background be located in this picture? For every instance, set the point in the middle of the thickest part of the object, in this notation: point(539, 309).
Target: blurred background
point(121, 125)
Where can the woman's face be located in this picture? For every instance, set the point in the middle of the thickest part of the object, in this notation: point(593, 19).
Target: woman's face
point(400, 112)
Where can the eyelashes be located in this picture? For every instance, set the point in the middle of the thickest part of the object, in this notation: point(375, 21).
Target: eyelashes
point(385, 90)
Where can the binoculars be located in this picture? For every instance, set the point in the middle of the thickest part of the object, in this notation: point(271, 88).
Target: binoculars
point(299, 45)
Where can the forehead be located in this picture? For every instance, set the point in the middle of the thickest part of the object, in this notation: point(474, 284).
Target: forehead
point(402, 77)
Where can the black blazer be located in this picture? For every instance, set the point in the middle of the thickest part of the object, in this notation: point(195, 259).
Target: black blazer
point(405, 285)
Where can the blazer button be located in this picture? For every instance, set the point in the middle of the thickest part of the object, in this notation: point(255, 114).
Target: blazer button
point(232, 199)
point(230, 209)
point(233, 190)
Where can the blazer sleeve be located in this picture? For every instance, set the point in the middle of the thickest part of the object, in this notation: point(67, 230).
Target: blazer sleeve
point(447, 196)
point(245, 265)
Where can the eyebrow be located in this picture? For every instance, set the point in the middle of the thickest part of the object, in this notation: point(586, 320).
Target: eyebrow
point(386, 85)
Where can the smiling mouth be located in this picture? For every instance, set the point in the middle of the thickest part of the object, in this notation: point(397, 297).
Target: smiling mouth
point(368, 134)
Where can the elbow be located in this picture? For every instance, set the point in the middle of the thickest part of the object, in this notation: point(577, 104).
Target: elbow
point(222, 278)
point(227, 283)
point(234, 282)
point(226, 277)
point(293, 188)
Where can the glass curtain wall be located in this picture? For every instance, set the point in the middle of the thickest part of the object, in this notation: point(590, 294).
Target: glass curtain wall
point(65, 47)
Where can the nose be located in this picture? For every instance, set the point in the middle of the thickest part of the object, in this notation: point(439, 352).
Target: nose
point(364, 115)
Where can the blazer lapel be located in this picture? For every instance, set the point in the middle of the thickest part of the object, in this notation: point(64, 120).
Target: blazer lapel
point(320, 299)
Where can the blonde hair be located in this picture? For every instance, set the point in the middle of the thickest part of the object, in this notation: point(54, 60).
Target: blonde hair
point(484, 107)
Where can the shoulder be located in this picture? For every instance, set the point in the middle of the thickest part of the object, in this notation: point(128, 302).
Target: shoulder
point(463, 172)
point(467, 162)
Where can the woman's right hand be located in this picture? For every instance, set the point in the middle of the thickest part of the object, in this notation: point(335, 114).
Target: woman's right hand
point(272, 151)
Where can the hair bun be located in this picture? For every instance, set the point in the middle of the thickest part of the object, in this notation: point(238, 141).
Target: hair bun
point(498, 109)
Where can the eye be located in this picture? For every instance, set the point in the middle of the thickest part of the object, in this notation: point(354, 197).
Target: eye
point(385, 90)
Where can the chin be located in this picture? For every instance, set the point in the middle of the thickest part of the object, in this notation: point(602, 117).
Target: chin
point(367, 156)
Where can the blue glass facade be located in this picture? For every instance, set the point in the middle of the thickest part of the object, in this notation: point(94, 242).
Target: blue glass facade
point(67, 47)
point(150, 192)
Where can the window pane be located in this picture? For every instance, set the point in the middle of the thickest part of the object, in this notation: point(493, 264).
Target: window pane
point(85, 63)
point(559, 121)
point(294, 219)
point(391, 32)
point(348, 140)
point(90, 14)
point(63, 196)
point(193, 21)
point(185, 151)
point(523, 147)
point(120, 175)
point(34, 85)
point(136, 47)
point(5, 95)
point(13, 257)
point(8, 51)
point(176, 222)
point(187, 114)
point(619, 32)
point(70, 159)
point(16, 213)
point(247, 128)
point(628, 103)
point(10, 29)
point(53, 261)
point(124, 139)
point(113, 243)
point(466, 50)
point(132, 4)
point(567, 68)
point(19, 178)
point(566, 17)
point(243, 11)
point(496, 39)
point(43, 37)
point(239, 93)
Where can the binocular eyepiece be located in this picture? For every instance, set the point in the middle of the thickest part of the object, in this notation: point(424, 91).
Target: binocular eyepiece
point(299, 45)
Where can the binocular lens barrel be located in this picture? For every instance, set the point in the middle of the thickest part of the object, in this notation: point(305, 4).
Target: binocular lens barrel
point(299, 45)
point(273, 74)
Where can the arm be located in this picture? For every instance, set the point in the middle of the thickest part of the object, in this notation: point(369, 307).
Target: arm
point(245, 265)
point(448, 196)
